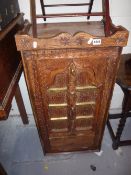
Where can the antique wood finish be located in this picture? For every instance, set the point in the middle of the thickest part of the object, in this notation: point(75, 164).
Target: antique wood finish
point(106, 18)
point(10, 68)
point(124, 81)
point(90, 7)
point(70, 82)
point(20, 104)
point(33, 16)
point(105, 13)
point(89, 4)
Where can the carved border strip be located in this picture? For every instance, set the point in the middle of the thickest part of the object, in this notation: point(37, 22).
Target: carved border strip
point(65, 40)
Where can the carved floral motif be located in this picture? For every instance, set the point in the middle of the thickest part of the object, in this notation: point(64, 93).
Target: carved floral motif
point(64, 41)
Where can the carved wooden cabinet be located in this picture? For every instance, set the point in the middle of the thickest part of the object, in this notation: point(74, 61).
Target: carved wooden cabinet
point(70, 81)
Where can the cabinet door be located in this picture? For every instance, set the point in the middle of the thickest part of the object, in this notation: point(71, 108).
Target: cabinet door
point(71, 90)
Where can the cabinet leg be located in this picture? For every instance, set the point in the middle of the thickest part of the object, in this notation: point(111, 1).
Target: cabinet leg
point(21, 107)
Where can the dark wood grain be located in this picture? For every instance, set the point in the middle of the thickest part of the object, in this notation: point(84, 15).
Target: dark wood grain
point(106, 17)
point(105, 13)
point(20, 104)
point(53, 29)
point(70, 15)
point(10, 65)
point(43, 8)
point(33, 16)
point(10, 69)
point(90, 7)
point(61, 5)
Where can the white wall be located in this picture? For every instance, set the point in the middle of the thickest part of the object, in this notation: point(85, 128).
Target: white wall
point(120, 14)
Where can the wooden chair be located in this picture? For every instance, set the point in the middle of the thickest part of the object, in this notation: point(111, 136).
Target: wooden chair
point(105, 13)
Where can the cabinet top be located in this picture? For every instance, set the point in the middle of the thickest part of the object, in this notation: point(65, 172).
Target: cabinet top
point(70, 35)
point(48, 30)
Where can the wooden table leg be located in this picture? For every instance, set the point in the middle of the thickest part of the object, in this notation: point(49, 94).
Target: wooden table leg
point(21, 107)
point(120, 129)
point(2, 171)
point(122, 121)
